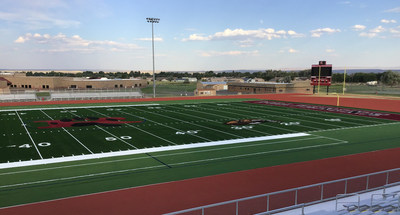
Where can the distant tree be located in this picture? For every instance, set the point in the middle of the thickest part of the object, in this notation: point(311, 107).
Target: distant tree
point(337, 78)
point(305, 73)
point(287, 79)
point(390, 78)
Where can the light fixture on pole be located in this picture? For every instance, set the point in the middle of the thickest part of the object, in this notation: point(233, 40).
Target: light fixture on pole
point(152, 21)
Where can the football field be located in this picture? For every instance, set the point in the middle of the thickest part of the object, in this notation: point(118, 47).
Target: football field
point(90, 149)
point(53, 133)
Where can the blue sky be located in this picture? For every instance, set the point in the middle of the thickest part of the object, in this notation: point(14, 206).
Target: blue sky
point(199, 35)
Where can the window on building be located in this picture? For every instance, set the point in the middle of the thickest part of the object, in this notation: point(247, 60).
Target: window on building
point(121, 85)
point(89, 86)
point(140, 85)
point(47, 86)
point(116, 86)
point(43, 86)
point(73, 87)
point(135, 85)
point(30, 86)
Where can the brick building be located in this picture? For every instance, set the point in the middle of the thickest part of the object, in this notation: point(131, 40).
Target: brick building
point(21, 81)
point(269, 87)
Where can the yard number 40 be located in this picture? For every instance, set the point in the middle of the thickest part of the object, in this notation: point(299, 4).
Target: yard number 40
point(188, 132)
point(27, 146)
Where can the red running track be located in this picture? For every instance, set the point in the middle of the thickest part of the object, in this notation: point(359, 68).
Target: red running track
point(366, 103)
point(178, 195)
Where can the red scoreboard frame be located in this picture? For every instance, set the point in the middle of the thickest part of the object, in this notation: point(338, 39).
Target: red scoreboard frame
point(321, 74)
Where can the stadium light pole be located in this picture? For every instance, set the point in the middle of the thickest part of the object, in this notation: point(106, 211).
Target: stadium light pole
point(152, 21)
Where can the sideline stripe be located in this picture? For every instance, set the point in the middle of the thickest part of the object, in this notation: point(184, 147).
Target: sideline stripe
point(168, 154)
point(29, 134)
point(79, 107)
point(173, 164)
point(148, 150)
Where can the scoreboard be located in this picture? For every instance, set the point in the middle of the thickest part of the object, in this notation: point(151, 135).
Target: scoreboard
point(321, 74)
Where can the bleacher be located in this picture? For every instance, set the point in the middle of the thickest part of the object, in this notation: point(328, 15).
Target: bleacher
point(93, 95)
point(379, 204)
point(376, 204)
point(17, 97)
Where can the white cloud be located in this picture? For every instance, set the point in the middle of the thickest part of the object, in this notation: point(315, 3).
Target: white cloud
point(320, 31)
point(373, 32)
point(288, 50)
point(63, 43)
point(241, 34)
point(368, 34)
point(194, 37)
point(330, 50)
point(395, 31)
point(20, 40)
point(386, 21)
point(35, 20)
point(227, 53)
point(358, 27)
point(393, 10)
point(378, 29)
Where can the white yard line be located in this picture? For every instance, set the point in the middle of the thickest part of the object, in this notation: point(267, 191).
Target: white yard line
point(139, 129)
point(264, 115)
point(292, 118)
point(187, 122)
point(29, 134)
point(168, 154)
point(147, 150)
point(362, 126)
point(321, 113)
point(260, 153)
point(110, 133)
point(291, 131)
point(190, 109)
point(176, 164)
point(79, 107)
point(80, 176)
point(70, 134)
point(165, 126)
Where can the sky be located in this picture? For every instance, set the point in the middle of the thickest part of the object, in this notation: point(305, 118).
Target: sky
point(195, 35)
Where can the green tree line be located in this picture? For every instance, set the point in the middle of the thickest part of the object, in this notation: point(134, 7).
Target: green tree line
point(389, 77)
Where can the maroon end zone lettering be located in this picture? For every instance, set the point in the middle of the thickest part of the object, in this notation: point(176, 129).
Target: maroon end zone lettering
point(366, 113)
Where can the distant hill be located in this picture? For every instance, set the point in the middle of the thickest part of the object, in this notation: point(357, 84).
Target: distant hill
point(351, 71)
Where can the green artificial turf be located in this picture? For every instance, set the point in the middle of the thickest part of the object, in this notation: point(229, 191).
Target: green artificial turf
point(170, 124)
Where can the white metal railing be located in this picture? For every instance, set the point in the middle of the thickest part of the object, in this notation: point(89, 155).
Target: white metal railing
point(391, 177)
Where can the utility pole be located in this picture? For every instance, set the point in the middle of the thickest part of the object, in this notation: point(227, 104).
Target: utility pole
point(152, 21)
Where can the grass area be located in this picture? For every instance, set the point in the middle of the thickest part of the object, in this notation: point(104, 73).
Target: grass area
point(43, 94)
point(194, 101)
point(363, 89)
point(169, 124)
point(166, 89)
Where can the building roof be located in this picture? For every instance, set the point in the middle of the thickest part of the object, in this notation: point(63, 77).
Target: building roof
point(213, 82)
point(3, 79)
point(261, 84)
